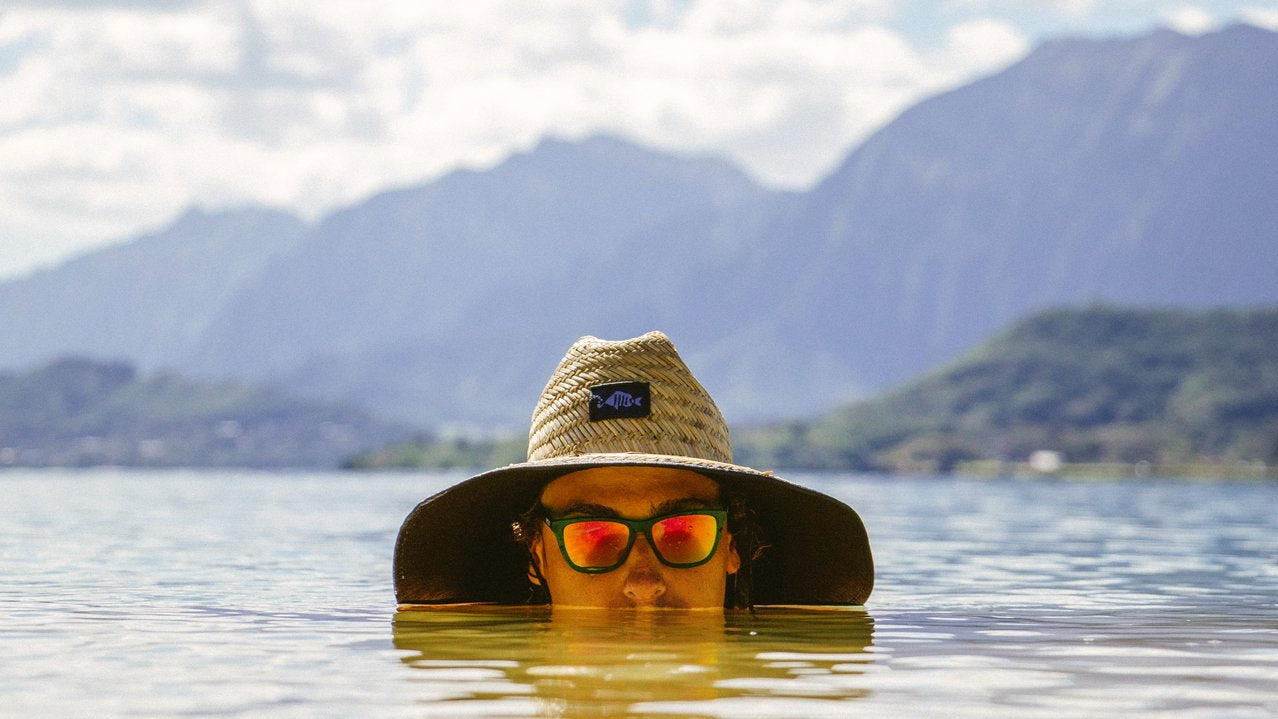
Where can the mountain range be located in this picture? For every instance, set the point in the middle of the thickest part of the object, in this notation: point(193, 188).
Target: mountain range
point(1134, 171)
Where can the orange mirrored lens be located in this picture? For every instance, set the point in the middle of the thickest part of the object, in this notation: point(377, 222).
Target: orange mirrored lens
point(595, 543)
point(685, 539)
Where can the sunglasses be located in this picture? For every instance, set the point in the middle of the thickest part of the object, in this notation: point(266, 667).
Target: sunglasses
point(595, 545)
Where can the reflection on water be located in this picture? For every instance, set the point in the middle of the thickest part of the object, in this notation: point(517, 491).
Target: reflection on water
point(504, 661)
point(1064, 663)
point(803, 663)
point(180, 594)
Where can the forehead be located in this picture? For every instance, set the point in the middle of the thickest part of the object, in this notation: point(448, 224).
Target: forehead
point(628, 490)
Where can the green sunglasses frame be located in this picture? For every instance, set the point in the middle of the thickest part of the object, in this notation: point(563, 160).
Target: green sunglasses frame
point(636, 527)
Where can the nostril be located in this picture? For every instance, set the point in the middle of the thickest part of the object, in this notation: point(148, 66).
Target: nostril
point(644, 581)
point(644, 585)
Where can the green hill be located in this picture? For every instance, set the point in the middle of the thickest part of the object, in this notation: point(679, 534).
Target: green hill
point(426, 452)
point(78, 412)
point(1096, 385)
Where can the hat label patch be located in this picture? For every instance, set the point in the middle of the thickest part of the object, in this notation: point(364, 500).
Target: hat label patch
point(620, 400)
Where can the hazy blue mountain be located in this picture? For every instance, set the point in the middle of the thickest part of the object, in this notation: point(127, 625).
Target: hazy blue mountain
point(453, 300)
point(1129, 170)
point(147, 300)
point(1136, 171)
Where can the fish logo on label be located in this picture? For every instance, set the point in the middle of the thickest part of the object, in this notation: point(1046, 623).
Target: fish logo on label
point(620, 400)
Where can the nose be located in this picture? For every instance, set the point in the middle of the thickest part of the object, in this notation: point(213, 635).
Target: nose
point(644, 584)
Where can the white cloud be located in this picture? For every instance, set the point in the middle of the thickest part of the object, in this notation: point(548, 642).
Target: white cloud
point(1189, 19)
point(111, 41)
point(1074, 8)
point(129, 116)
point(727, 17)
point(981, 45)
point(1261, 17)
point(1068, 8)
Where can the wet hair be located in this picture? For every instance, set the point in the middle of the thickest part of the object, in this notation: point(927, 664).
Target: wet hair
point(741, 526)
point(749, 543)
point(526, 531)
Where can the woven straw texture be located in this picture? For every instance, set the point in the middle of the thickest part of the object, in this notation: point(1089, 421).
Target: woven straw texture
point(684, 420)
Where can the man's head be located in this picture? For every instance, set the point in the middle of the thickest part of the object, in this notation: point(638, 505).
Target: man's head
point(587, 559)
point(626, 437)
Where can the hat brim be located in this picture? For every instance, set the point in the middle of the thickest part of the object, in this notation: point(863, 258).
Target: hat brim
point(457, 546)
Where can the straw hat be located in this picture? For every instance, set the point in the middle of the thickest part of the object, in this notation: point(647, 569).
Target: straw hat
point(632, 402)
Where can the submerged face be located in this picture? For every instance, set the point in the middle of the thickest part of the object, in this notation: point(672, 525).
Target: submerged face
point(641, 580)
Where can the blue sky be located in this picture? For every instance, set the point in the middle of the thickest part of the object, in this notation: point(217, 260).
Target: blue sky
point(120, 115)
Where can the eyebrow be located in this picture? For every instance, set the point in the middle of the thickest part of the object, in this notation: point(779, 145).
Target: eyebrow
point(586, 509)
point(680, 505)
point(670, 506)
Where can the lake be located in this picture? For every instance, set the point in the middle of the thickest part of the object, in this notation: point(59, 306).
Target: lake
point(219, 594)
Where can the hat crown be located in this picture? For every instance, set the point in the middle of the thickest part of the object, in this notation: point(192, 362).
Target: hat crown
point(679, 418)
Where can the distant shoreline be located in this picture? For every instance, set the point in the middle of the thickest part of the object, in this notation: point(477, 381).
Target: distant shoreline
point(1122, 470)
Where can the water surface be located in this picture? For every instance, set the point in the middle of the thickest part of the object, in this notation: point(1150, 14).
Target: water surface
point(251, 594)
